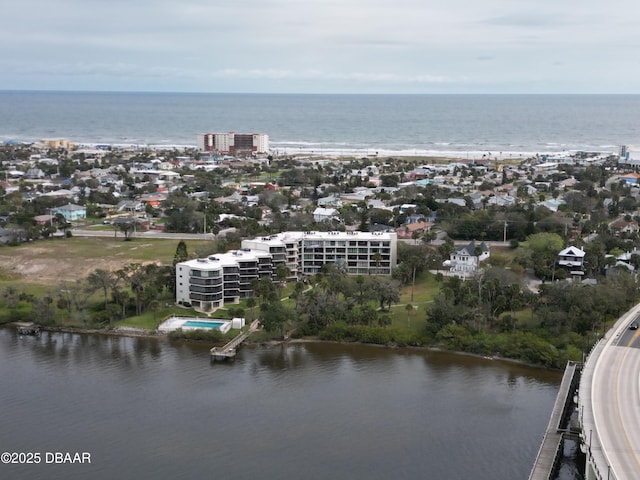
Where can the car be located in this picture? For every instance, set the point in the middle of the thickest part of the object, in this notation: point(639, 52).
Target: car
point(634, 325)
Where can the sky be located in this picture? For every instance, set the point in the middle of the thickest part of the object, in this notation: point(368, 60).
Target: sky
point(322, 46)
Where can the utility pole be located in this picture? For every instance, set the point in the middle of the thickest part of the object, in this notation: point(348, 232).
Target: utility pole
point(505, 231)
point(205, 222)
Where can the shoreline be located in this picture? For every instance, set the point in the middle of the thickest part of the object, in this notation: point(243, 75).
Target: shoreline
point(330, 151)
point(132, 332)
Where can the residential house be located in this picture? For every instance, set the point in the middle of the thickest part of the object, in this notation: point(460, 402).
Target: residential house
point(155, 200)
point(622, 226)
point(34, 174)
point(330, 201)
point(465, 261)
point(631, 178)
point(11, 235)
point(572, 260)
point(71, 212)
point(502, 200)
point(325, 214)
point(43, 219)
point(128, 206)
point(9, 187)
point(359, 194)
point(409, 230)
point(461, 202)
point(419, 173)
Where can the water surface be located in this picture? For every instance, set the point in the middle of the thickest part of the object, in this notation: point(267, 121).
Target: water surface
point(146, 408)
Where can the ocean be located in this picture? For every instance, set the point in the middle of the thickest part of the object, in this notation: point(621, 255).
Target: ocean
point(459, 126)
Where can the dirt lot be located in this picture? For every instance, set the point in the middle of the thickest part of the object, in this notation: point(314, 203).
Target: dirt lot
point(50, 262)
point(36, 265)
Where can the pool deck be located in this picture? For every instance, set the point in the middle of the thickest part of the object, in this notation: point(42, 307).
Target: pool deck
point(174, 323)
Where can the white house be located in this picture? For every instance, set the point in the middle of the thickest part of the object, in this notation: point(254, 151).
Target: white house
point(324, 214)
point(465, 261)
point(572, 259)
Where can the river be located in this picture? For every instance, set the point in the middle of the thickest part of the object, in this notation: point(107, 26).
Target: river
point(148, 408)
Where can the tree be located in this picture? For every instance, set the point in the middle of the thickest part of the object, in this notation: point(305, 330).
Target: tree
point(126, 226)
point(386, 290)
point(264, 289)
point(154, 306)
point(298, 290)
point(139, 278)
point(11, 296)
point(101, 280)
point(409, 308)
point(377, 257)
point(181, 254)
point(43, 309)
point(282, 273)
point(429, 236)
point(544, 249)
point(62, 223)
point(73, 297)
point(251, 303)
point(275, 316)
point(363, 213)
point(48, 229)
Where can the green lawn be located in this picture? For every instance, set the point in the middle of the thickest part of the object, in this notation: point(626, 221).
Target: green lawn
point(424, 290)
point(150, 320)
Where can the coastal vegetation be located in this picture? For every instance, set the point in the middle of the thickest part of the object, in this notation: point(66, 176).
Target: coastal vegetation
point(493, 314)
point(517, 304)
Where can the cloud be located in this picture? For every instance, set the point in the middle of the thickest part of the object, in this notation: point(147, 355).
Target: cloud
point(274, 74)
point(318, 44)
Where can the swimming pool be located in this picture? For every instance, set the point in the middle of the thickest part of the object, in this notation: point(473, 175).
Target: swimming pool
point(192, 323)
point(202, 324)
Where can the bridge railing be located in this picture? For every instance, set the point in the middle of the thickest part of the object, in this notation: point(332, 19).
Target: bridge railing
point(596, 455)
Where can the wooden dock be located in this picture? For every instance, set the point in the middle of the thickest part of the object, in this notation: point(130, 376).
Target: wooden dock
point(228, 352)
point(27, 328)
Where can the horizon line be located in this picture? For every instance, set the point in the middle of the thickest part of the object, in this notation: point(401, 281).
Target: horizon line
point(166, 92)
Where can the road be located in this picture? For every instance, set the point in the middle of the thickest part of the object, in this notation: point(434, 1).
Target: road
point(616, 403)
point(87, 232)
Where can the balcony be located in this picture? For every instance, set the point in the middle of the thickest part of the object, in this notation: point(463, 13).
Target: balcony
point(205, 281)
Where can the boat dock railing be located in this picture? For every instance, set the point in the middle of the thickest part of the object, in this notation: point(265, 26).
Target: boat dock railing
point(229, 350)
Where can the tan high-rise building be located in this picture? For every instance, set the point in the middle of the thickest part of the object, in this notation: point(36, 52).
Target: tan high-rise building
point(233, 142)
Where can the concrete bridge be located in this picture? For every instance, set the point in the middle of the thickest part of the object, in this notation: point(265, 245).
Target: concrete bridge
point(607, 412)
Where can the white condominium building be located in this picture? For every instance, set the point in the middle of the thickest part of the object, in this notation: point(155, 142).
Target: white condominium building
point(226, 278)
point(356, 253)
point(220, 279)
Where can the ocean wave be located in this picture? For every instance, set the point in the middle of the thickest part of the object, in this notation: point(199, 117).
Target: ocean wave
point(414, 152)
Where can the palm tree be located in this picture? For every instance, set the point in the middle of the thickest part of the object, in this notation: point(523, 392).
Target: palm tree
point(409, 308)
point(376, 257)
point(282, 272)
point(101, 280)
point(251, 303)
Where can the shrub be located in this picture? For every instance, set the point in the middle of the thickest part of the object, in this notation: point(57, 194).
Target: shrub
point(200, 334)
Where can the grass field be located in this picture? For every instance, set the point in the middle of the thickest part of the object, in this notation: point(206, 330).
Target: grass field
point(67, 259)
point(46, 266)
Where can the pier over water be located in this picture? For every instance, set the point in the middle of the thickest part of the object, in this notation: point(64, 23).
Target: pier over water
point(228, 352)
